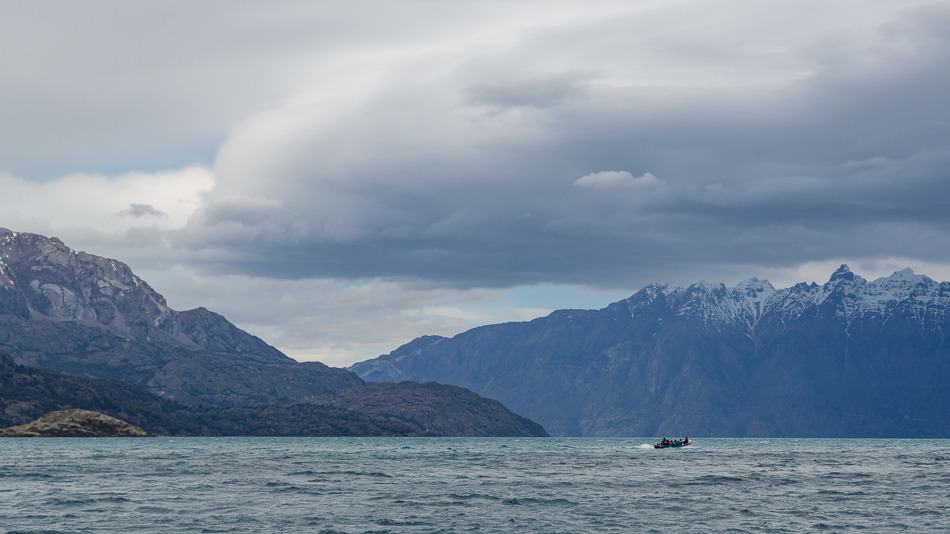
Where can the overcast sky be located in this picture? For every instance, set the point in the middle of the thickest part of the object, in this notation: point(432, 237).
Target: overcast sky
point(339, 178)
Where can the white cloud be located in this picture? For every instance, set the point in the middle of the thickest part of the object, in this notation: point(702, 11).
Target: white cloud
point(98, 202)
point(617, 179)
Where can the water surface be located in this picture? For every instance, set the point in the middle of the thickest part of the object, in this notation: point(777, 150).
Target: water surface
point(471, 485)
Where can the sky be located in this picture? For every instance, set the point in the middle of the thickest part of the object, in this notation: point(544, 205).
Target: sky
point(341, 177)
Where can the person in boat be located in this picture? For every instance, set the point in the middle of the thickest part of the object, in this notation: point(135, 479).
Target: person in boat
point(685, 440)
point(664, 442)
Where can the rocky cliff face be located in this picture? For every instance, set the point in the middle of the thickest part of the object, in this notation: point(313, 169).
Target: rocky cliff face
point(850, 357)
point(42, 278)
point(83, 314)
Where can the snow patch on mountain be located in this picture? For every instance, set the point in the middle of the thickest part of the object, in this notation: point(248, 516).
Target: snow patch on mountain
point(848, 295)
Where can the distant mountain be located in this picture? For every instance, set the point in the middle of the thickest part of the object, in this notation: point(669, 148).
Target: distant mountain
point(190, 372)
point(846, 358)
point(437, 409)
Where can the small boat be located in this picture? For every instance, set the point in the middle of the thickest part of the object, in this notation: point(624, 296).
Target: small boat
point(666, 444)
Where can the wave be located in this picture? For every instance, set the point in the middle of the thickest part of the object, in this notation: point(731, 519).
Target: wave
point(538, 500)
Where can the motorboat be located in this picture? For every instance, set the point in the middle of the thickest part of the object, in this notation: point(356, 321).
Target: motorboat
point(667, 444)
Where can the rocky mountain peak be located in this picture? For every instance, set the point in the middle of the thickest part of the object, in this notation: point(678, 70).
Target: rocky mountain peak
point(749, 301)
point(754, 289)
point(843, 272)
point(905, 276)
point(51, 281)
point(43, 279)
point(755, 285)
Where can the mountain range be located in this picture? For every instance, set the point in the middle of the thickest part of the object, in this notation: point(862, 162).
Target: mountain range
point(850, 357)
point(83, 331)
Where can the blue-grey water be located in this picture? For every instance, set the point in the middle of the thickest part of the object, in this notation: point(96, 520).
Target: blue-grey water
point(471, 485)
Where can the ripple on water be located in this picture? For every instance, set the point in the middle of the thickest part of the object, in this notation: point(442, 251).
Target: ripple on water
point(479, 485)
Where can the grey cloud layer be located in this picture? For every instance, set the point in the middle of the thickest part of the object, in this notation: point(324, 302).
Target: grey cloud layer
point(112, 86)
point(490, 144)
point(463, 168)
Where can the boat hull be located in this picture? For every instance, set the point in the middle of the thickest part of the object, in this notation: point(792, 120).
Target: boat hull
point(672, 445)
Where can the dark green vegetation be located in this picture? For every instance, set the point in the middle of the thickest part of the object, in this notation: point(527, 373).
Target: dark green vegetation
point(372, 410)
point(28, 393)
point(89, 334)
point(847, 358)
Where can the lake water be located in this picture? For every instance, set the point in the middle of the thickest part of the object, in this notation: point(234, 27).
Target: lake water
point(471, 485)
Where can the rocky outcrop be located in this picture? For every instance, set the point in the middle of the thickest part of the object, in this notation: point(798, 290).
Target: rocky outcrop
point(74, 424)
point(850, 357)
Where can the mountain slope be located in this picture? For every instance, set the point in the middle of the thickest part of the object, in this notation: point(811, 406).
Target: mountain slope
point(28, 393)
point(846, 358)
point(82, 314)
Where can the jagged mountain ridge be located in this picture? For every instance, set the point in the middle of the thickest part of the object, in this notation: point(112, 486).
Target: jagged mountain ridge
point(42, 278)
point(747, 303)
point(83, 314)
point(848, 357)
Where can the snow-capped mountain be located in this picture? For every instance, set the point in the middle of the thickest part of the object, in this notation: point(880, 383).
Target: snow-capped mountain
point(850, 296)
point(848, 357)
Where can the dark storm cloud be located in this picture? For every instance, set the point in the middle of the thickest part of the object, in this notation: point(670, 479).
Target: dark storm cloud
point(539, 92)
point(464, 177)
point(139, 211)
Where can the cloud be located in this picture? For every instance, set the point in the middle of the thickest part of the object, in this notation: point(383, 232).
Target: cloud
point(163, 200)
point(139, 211)
point(617, 179)
point(441, 145)
point(106, 90)
point(461, 168)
